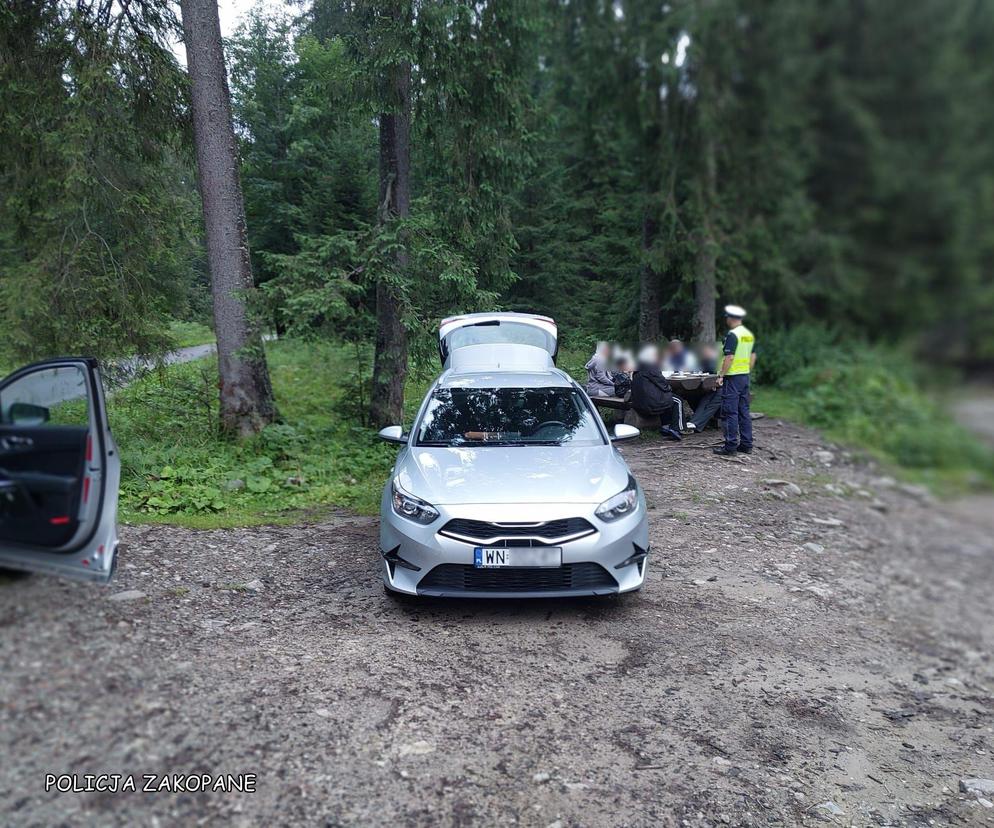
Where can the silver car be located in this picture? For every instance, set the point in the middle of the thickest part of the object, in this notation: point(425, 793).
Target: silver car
point(508, 484)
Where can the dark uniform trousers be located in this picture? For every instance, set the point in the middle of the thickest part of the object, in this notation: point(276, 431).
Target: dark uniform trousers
point(735, 410)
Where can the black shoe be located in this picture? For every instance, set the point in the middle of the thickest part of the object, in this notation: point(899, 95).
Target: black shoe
point(723, 451)
point(744, 449)
point(670, 434)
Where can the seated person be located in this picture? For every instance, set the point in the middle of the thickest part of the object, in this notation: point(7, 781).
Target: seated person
point(710, 403)
point(624, 366)
point(707, 359)
point(652, 396)
point(599, 381)
point(678, 358)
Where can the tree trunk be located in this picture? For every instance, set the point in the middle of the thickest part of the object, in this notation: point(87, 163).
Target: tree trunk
point(649, 303)
point(704, 291)
point(707, 254)
point(386, 404)
point(245, 391)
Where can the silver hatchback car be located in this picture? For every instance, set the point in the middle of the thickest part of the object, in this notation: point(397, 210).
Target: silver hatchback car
point(508, 484)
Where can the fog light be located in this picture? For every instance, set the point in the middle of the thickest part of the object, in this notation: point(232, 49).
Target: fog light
point(638, 558)
point(394, 560)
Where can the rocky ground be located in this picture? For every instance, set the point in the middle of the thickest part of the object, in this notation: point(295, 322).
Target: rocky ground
point(813, 647)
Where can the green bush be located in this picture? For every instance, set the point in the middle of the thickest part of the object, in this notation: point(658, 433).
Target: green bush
point(784, 352)
point(184, 334)
point(872, 399)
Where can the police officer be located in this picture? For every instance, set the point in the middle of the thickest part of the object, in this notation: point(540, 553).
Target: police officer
point(733, 377)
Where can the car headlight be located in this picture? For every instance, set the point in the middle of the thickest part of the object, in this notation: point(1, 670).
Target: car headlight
point(623, 503)
point(411, 507)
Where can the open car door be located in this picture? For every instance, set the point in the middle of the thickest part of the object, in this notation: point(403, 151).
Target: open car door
point(59, 472)
point(496, 329)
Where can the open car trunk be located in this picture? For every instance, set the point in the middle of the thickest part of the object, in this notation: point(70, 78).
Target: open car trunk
point(497, 329)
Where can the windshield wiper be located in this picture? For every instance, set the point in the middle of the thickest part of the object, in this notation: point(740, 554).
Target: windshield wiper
point(500, 443)
point(512, 443)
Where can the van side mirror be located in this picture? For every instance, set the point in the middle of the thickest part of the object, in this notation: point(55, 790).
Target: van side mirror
point(624, 432)
point(393, 434)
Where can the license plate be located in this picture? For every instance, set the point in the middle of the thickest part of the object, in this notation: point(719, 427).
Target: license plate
point(493, 557)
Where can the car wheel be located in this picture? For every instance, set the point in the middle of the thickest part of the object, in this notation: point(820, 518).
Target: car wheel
point(13, 574)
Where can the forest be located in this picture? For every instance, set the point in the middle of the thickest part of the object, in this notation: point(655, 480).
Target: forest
point(626, 167)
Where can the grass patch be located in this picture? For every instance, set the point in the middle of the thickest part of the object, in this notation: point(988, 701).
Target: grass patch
point(777, 402)
point(187, 334)
point(176, 469)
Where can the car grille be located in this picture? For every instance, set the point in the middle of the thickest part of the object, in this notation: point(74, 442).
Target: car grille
point(569, 577)
point(551, 531)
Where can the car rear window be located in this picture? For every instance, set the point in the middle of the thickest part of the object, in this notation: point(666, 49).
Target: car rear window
point(507, 417)
point(496, 332)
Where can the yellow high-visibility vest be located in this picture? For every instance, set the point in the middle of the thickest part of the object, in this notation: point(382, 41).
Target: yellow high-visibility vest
point(743, 350)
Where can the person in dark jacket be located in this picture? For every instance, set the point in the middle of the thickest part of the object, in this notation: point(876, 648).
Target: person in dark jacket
point(652, 396)
point(707, 359)
point(710, 403)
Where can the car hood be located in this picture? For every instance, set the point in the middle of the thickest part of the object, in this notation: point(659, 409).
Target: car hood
point(512, 474)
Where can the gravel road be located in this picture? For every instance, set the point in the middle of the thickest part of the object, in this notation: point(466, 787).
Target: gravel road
point(816, 651)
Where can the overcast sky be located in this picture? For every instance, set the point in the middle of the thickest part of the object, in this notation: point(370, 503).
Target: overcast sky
point(231, 13)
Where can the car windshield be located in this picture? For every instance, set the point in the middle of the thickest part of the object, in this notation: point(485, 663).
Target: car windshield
point(507, 417)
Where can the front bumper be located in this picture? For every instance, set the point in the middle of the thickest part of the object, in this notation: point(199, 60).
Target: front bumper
point(410, 552)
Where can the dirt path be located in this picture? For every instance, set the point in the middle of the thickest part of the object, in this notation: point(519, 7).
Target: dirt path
point(812, 658)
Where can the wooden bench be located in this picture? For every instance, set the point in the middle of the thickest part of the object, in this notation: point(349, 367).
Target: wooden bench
point(617, 403)
point(631, 417)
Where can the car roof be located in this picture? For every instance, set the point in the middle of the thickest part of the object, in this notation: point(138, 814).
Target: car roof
point(504, 379)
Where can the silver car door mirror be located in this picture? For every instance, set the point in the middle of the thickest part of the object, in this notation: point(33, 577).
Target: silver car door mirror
point(393, 434)
point(623, 432)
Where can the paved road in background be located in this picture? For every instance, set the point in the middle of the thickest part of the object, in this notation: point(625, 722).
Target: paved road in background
point(122, 372)
point(975, 410)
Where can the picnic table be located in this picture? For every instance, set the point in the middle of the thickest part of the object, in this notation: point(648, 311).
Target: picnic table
point(693, 382)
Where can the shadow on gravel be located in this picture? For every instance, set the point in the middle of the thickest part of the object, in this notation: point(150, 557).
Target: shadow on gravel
point(489, 610)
